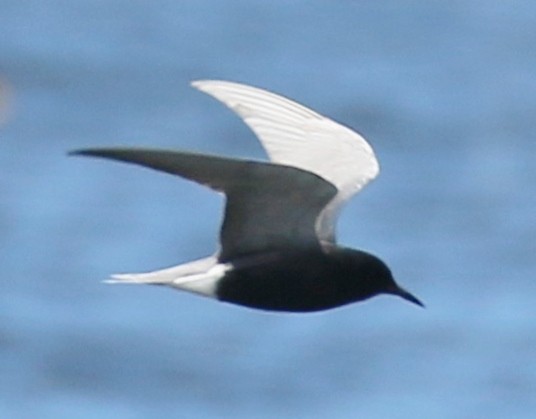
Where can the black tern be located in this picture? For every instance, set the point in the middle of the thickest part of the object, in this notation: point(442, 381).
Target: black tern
point(278, 249)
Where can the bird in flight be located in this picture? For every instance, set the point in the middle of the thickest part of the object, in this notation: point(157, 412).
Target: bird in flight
point(278, 249)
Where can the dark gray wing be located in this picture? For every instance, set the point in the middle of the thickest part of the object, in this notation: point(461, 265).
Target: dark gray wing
point(269, 206)
point(297, 136)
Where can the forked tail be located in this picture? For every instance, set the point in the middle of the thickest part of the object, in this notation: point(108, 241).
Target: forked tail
point(168, 276)
point(200, 276)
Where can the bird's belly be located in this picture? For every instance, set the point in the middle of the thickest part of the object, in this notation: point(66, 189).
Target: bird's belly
point(283, 289)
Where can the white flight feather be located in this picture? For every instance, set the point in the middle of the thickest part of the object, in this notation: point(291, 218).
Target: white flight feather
point(297, 136)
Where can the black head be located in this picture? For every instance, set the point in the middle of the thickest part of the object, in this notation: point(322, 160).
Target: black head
point(372, 276)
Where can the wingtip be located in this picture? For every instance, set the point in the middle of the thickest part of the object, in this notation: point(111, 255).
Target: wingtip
point(79, 152)
point(85, 152)
point(202, 84)
point(104, 152)
point(210, 85)
point(121, 279)
point(110, 281)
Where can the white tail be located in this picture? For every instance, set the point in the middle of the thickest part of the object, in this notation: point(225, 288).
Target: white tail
point(199, 276)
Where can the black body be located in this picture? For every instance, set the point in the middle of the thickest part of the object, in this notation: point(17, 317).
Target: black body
point(306, 280)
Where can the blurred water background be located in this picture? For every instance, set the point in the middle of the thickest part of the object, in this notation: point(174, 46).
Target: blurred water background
point(444, 91)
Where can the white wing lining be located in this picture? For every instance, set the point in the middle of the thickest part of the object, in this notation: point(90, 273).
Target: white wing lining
point(297, 136)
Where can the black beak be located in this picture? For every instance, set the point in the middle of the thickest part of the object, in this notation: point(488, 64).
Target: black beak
point(401, 292)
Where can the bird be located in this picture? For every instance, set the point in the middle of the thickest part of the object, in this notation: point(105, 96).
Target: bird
point(277, 244)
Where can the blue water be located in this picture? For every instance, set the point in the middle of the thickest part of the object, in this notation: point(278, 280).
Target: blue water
point(444, 91)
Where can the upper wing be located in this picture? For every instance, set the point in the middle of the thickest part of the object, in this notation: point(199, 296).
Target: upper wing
point(269, 206)
point(296, 136)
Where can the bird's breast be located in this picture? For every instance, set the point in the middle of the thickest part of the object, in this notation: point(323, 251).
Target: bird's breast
point(296, 283)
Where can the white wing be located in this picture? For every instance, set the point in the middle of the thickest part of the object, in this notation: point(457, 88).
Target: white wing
point(296, 136)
